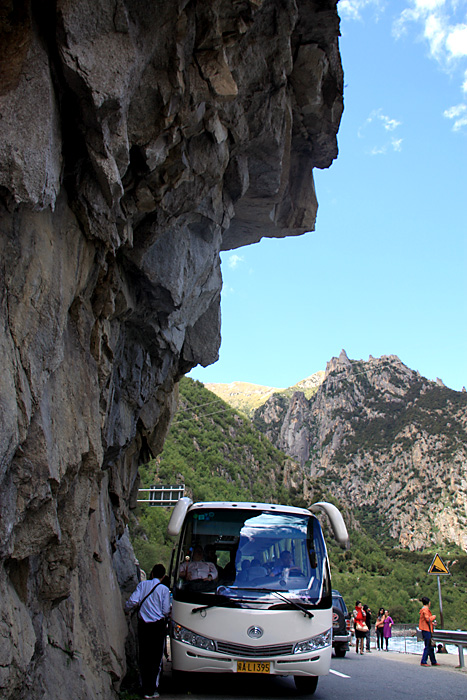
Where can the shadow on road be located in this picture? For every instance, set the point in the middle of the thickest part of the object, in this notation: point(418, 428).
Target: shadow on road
point(229, 685)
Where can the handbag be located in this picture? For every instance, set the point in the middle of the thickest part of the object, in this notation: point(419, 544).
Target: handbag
point(361, 627)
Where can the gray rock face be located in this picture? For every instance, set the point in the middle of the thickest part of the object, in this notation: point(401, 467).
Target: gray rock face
point(137, 141)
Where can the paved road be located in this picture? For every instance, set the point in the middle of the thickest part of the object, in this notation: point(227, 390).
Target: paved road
point(375, 676)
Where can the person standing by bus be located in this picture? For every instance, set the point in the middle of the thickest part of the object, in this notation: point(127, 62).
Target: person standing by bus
point(426, 627)
point(152, 599)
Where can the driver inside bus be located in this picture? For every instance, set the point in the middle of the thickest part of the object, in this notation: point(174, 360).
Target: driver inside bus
point(285, 561)
point(198, 569)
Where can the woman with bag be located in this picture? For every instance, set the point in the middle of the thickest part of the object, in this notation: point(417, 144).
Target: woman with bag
point(360, 627)
point(379, 627)
point(426, 627)
point(151, 600)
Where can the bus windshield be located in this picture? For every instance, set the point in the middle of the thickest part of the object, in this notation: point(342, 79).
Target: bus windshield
point(251, 556)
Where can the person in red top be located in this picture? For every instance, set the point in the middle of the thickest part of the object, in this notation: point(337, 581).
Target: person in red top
point(426, 627)
point(359, 621)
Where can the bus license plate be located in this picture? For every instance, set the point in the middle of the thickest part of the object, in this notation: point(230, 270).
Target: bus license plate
point(253, 667)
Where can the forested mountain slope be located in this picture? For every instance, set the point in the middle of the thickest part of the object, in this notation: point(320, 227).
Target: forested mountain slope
point(219, 455)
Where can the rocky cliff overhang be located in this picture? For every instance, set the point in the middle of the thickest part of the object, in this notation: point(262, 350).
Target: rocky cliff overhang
point(137, 141)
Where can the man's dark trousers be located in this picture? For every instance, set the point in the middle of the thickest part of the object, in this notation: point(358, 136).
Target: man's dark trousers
point(151, 639)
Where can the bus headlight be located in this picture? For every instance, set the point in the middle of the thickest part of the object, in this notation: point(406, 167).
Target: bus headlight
point(181, 634)
point(319, 642)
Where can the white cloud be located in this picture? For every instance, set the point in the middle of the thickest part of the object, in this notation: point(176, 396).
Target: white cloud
point(396, 145)
point(459, 116)
point(436, 33)
point(351, 9)
point(454, 112)
point(442, 24)
point(459, 123)
point(399, 26)
point(389, 124)
point(234, 260)
point(375, 127)
point(456, 41)
point(440, 27)
point(428, 5)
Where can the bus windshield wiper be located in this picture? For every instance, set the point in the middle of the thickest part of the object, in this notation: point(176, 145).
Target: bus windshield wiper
point(226, 603)
point(306, 612)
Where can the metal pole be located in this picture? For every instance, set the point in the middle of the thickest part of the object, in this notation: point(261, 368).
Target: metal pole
point(440, 603)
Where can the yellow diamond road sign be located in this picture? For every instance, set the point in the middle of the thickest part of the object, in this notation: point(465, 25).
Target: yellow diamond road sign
point(438, 567)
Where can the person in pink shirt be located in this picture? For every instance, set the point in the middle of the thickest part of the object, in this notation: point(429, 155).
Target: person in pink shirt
point(388, 623)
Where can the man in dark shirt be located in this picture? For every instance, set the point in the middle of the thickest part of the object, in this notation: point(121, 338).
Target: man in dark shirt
point(368, 624)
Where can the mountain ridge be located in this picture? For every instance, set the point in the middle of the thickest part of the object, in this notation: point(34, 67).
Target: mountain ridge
point(247, 396)
point(384, 439)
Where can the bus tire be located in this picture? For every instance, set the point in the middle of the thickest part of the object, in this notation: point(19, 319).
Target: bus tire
point(306, 685)
point(339, 652)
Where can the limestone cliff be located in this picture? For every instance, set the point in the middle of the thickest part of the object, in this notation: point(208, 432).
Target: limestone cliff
point(137, 140)
point(390, 444)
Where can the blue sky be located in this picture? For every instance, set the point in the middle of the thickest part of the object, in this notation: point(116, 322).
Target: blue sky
point(385, 271)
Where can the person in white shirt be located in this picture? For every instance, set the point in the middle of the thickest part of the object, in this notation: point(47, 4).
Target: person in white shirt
point(197, 568)
point(153, 599)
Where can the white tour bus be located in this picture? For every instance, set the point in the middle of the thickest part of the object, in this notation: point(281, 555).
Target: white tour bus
point(252, 589)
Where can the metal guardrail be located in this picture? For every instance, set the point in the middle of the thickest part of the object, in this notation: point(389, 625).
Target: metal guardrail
point(457, 638)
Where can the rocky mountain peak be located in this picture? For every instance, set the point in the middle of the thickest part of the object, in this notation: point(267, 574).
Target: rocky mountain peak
point(384, 440)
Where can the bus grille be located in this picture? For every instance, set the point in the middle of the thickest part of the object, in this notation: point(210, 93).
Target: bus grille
point(257, 652)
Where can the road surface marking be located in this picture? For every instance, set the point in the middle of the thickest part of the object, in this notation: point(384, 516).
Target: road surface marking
point(336, 673)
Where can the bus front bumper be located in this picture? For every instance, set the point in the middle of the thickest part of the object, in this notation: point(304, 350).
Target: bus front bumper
point(187, 658)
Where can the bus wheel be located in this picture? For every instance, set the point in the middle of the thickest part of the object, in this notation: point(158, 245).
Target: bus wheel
point(306, 685)
point(339, 652)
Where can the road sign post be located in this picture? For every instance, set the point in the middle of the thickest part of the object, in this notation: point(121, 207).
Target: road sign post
point(440, 603)
point(439, 568)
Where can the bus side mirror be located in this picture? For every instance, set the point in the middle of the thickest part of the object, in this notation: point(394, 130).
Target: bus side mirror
point(335, 518)
point(178, 516)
